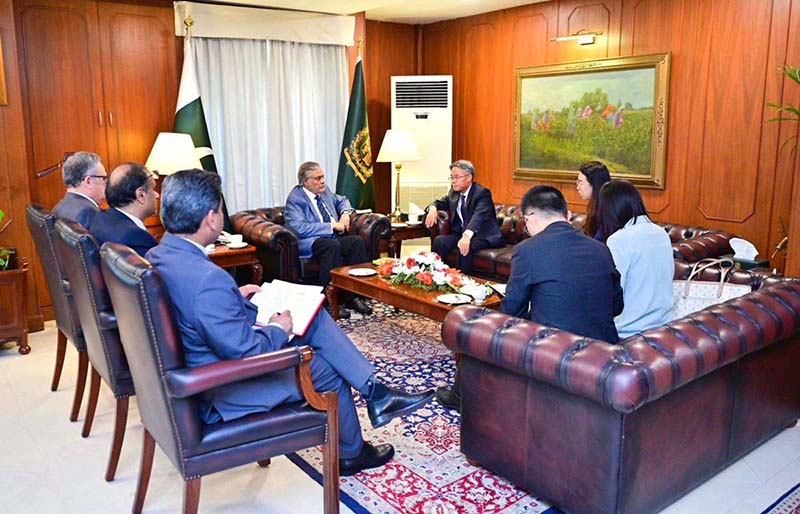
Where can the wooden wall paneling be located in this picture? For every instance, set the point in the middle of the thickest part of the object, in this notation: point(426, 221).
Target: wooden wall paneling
point(391, 51)
point(591, 16)
point(14, 179)
point(140, 79)
point(62, 86)
point(792, 94)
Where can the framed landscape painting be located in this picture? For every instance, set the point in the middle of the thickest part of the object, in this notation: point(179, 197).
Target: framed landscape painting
point(609, 110)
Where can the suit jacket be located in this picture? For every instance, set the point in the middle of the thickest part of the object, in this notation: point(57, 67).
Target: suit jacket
point(112, 225)
point(77, 208)
point(216, 324)
point(563, 279)
point(483, 218)
point(301, 218)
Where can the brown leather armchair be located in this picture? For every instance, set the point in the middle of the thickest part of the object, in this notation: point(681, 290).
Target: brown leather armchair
point(41, 224)
point(168, 391)
point(277, 246)
point(80, 256)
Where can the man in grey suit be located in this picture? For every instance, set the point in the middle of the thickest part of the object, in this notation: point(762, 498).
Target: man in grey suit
point(217, 323)
point(85, 178)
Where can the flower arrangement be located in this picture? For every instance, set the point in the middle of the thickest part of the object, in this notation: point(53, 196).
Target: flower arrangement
point(422, 269)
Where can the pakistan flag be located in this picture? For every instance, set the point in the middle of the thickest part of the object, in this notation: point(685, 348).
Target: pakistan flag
point(354, 179)
point(190, 118)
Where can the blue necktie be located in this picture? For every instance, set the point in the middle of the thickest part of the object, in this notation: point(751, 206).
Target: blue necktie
point(322, 210)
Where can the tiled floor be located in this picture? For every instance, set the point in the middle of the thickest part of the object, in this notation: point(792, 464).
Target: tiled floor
point(47, 468)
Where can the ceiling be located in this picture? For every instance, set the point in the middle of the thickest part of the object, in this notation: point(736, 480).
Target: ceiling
point(400, 11)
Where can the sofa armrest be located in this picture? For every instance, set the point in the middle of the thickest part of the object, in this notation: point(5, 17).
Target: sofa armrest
point(442, 225)
point(594, 369)
point(371, 228)
point(182, 383)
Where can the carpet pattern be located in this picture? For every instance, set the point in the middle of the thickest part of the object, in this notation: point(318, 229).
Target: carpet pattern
point(789, 503)
point(428, 474)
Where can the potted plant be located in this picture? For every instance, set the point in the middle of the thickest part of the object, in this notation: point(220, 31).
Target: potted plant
point(13, 325)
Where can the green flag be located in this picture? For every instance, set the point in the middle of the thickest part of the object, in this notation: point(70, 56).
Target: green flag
point(190, 119)
point(354, 179)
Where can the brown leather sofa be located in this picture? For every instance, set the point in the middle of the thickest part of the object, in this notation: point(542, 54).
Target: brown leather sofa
point(596, 428)
point(277, 245)
point(689, 244)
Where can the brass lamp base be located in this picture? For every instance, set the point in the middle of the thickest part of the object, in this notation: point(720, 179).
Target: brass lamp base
point(396, 216)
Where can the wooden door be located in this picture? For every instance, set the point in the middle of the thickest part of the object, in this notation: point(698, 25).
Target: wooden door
point(140, 77)
point(61, 84)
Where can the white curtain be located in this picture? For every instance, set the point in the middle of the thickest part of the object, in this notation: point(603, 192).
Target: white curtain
point(270, 106)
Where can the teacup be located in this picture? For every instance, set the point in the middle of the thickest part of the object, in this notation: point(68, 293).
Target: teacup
point(236, 240)
point(478, 293)
point(413, 218)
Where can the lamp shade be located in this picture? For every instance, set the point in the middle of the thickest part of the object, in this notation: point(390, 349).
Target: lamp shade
point(398, 146)
point(172, 152)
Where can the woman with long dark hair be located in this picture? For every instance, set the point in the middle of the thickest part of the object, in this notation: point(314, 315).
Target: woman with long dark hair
point(591, 177)
point(642, 253)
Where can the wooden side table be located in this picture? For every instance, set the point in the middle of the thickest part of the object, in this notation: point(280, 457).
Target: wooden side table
point(228, 258)
point(13, 296)
point(397, 235)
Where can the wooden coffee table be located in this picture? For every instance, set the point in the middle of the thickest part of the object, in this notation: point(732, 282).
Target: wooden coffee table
point(229, 258)
point(405, 297)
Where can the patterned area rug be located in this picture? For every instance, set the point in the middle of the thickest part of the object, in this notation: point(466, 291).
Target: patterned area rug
point(789, 503)
point(428, 474)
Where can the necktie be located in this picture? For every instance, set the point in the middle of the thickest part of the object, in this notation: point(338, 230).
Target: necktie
point(322, 210)
point(462, 206)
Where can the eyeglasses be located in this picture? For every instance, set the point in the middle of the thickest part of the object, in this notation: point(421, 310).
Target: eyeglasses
point(317, 179)
point(104, 177)
point(456, 177)
point(580, 183)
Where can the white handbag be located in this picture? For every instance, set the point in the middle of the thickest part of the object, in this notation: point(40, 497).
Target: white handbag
point(692, 295)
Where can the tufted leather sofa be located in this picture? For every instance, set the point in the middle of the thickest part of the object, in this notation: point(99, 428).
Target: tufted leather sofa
point(277, 245)
point(689, 244)
point(596, 428)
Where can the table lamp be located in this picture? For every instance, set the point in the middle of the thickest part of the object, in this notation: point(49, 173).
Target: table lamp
point(398, 147)
point(172, 152)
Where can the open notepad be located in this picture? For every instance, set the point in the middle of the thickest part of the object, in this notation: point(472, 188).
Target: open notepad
point(302, 301)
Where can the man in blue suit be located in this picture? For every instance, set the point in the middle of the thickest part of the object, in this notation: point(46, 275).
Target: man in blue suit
point(85, 178)
point(320, 219)
point(473, 221)
point(217, 323)
point(131, 195)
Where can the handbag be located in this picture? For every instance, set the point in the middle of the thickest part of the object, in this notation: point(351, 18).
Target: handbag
point(692, 295)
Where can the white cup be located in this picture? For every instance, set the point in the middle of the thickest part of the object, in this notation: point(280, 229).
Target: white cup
point(413, 218)
point(236, 239)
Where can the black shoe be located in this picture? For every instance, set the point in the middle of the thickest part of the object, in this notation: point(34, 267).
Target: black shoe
point(448, 398)
point(360, 305)
point(343, 313)
point(370, 457)
point(391, 403)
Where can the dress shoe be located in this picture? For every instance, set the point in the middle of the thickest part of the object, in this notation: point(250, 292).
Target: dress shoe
point(448, 398)
point(370, 457)
point(387, 404)
point(360, 305)
point(343, 313)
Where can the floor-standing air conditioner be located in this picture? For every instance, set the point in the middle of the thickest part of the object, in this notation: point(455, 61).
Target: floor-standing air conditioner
point(423, 105)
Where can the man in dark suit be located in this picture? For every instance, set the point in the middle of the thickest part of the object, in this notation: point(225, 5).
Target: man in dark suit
point(85, 178)
point(320, 218)
point(131, 195)
point(473, 221)
point(217, 323)
point(559, 277)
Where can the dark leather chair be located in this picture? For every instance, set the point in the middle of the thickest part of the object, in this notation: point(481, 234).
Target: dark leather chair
point(277, 248)
point(41, 224)
point(80, 257)
point(168, 392)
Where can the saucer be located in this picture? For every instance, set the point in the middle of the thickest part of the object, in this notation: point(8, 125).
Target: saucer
point(234, 246)
point(362, 272)
point(398, 225)
point(454, 299)
point(413, 223)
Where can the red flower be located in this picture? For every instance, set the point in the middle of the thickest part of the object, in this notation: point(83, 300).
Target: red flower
point(385, 269)
point(456, 281)
point(424, 277)
point(409, 263)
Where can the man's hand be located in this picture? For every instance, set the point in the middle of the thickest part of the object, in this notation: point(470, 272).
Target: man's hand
point(463, 245)
point(249, 289)
point(344, 219)
point(338, 226)
point(284, 319)
point(430, 219)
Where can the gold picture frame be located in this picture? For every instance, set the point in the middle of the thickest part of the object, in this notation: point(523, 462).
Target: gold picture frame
point(612, 110)
point(3, 91)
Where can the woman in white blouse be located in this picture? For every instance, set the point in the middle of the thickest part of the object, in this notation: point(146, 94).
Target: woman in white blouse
point(642, 253)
